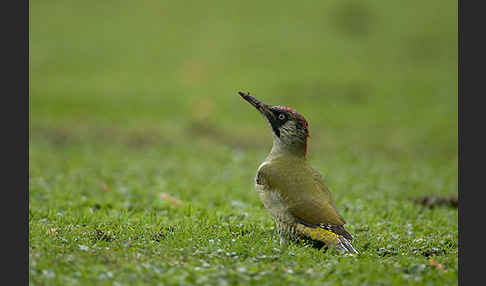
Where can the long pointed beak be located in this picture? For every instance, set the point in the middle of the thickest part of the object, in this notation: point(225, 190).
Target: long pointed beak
point(260, 106)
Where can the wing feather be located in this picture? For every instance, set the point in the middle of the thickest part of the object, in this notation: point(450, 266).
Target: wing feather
point(314, 206)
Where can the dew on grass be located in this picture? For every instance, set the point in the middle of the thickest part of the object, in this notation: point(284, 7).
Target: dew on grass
point(239, 204)
point(48, 273)
point(230, 254)
point(241, 269)
point(105, 275)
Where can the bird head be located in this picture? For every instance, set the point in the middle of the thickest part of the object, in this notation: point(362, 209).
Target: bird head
point(290, 129)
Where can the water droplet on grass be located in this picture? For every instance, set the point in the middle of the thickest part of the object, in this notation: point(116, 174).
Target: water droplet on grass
point(48, 274)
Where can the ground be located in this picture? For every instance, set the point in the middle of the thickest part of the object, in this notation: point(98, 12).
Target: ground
point(142, 155)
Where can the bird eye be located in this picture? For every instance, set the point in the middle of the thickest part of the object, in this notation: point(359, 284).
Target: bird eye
point(281, 117)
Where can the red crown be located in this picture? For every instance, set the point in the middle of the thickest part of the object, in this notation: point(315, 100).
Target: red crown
point(304, 122)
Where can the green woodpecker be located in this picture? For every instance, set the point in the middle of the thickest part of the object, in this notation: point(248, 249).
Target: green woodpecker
point(290, 189)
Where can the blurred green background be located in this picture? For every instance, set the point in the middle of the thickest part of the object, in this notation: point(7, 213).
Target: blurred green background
point(377, 75)
point(140, 97)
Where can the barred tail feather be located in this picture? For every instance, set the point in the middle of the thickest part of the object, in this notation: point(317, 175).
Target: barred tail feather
point(327, 237)
point(346, 245)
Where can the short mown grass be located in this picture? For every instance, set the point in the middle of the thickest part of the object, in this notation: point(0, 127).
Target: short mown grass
point(142, 155)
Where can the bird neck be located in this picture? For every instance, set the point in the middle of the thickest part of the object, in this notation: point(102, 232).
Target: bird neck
point(281, 147)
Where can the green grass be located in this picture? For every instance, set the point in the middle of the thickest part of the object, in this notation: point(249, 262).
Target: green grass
point(132, 100)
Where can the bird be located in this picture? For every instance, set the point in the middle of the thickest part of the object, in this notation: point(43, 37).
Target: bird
point(293, 192)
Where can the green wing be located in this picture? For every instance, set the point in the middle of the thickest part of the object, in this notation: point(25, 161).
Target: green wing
point(304, 191)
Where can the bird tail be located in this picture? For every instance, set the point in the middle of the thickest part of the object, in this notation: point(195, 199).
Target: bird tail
point(328, 237)
point(345, 244)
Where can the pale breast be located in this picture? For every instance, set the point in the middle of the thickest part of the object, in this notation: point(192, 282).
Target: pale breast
point(273, 202)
